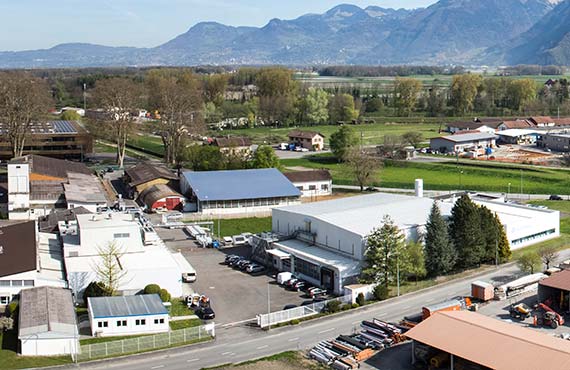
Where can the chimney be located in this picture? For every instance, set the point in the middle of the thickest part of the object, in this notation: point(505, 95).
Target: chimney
point(419, 188)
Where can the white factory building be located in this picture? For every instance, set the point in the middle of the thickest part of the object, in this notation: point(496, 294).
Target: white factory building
point(325, 242)
point(143, 255)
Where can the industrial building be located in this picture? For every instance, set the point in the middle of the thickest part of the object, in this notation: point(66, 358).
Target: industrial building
point(463, 142)
point(518, 136)
point(246, 192)
point(127, 315)
point(556, 290)
point(557, 141)
point(47, 325)
point(315, 183)
point(468, 340)
point(58, 139)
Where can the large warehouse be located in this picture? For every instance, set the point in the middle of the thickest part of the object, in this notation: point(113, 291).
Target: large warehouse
point(325, 242)
point(247, 192)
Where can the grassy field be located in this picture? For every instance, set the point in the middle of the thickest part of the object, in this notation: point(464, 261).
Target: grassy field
point(183, 324)
point(450, 176)
point(9, 358)
point(235, 226)
point(145, 141)
point(178, 308)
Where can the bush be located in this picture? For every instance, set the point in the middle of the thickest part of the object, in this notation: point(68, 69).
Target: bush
point(6, 323)
point(95, 289)
point(355, 305)
point(295, 322)
point(381, 292)
point(346, 306)
point(360, 299)
point(12, 309)
point(333, 306)
point(152, 289)
point(164, 295)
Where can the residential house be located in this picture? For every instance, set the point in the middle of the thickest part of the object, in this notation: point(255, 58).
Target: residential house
point(311, 183)
point(232, 145)
point(47, 324)
point(27, 259)
point(127, 315)
point(542, 121)
point(516, 124)
point(310, 140)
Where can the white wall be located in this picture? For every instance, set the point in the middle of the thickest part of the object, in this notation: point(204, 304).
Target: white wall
point(18, 186)
point(31, 346)
point(131, 329)
point(305, 186)
point(91, 207)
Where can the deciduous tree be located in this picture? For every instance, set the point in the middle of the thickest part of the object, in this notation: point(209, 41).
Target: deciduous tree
point(548, 255)
point(109, 270)
point(529, 262)
point(413, 138)
point(265, 157)
point(406, 93)
point(464, 90)
point(342, 109)
point(363, 166)
point(317, 101)
point(521, 92)
point(342, 141)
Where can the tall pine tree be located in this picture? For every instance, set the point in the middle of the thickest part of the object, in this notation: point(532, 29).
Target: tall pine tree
point(465, 231)
point(440, 254)
point(503, 246)
point(490, 233)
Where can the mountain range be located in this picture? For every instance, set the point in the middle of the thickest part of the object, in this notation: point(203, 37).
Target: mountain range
point(468, 32)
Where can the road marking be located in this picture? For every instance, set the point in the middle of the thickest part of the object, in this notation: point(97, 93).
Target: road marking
point(157, 367)
point(262, 347)
point(228, 353)
point(212, 287)
point(293, 339)
point(193, 360)
point(325, 331)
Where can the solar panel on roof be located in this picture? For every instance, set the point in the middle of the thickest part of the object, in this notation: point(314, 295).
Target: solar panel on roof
point(64, 127)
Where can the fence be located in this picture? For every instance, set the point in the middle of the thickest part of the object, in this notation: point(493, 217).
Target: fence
point(145, 343)
point(277, 317)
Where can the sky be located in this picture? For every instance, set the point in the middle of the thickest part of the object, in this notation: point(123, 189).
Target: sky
point(38, 24)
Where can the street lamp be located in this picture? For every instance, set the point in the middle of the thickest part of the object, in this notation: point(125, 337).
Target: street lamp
point(509, 191)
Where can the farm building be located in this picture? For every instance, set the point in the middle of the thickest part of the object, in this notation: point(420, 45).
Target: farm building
point(475, 341)
point(127, 315)
point(239, 191)
point(161, 196)
point(463, 142)
point(310, 140)
point(489, 125)
point(311, 183)
point(145, 175)
point(325, 242)
point(47, 324)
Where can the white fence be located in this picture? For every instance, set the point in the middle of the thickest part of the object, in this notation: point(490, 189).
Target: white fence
point(145, 343)
point(277, 317)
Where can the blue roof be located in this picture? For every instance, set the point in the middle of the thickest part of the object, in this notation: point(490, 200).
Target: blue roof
point(123, 306)
point(240, 184)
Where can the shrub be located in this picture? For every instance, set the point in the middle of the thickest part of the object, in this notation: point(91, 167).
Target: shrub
point(355, 305)
point(295, 322)
point(333, 306)
point(164, 295)
point(346, 306)
point(6, 323)
point(95, 289)
point(360, 299)
point(152, 289)
point(381, 292)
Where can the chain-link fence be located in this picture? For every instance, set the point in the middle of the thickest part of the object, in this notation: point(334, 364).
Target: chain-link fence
point(277, 317)
point(145, 343)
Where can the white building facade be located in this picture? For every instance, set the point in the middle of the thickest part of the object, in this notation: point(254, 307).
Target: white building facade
point(316, 183)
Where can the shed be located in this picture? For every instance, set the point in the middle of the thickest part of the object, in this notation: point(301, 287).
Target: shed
point(161, 196)
point(145, 175)
point(311, 183)
point(556, 288)
point(127, 315)
point(47, 325)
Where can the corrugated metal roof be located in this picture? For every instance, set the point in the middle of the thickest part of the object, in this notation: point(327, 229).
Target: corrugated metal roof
point(240, 184)
point(559, 280)
point(145, 172)
point(462, 138)
point(492, 343)
point(152, 194)
point(133, 305)
point(46, 310)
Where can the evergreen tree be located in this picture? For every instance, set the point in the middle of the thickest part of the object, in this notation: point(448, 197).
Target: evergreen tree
point(490, 233)
point(384, 244)
point(465, 231)
point(440, 255)
point(503, 246)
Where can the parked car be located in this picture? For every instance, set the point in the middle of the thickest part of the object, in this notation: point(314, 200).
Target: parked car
point(299, 285)
point(243, 265)
point(239, 240)
point(229, 258)
point(234, 261)
point(255, 269)
point(205, 313)
point(289, 283)
point(555, 197)
point(317, 293)
point(283, 146)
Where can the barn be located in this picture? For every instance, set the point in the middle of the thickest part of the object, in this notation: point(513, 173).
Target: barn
point(161, 196)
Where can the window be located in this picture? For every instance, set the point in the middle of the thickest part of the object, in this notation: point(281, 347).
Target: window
point(4, 300)
point(17, 283)
point(312, 187)
point(325, 187)
point(307, 268)
point(122, 323)
point(140, 322)
point(103, 324)
point(159, 321)
point(28, 283)
point(121, 235)
point(4, 282)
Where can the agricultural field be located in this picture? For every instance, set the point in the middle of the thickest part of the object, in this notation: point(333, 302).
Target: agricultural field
point(450, 175)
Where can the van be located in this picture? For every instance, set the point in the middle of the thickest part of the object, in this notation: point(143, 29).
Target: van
point(283, 146)
point(239, 240)
point(189, 277)
point(282, 277)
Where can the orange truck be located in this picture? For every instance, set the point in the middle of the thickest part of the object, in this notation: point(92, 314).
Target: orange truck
point(457, 304)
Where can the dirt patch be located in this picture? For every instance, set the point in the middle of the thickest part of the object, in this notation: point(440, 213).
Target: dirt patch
point(296, 361)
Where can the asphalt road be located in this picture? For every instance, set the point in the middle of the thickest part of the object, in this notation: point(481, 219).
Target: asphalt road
point(242, 343)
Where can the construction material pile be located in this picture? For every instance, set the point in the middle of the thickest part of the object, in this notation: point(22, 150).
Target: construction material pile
point(347, 351)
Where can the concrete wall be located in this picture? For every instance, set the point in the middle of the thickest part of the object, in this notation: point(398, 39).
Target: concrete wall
point(32, 346)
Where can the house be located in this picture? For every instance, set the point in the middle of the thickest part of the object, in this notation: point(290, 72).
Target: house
point(143, 256)
point(58, 139)
point(161, 196)
point(247, 192)
point(36, 185)
point(310, 140)
point(488, 125)
point(518, 136)
point(516, 124)
point(311, 183)
point(47, 323)
point(85, 191)
point(462, 142)
point(144, 175)
point(79, 111)
point(232, 145)
point(542, 121)
point(127, 315)
point(27, 259)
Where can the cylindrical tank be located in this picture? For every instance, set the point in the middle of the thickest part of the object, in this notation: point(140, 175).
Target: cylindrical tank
point(419, 188)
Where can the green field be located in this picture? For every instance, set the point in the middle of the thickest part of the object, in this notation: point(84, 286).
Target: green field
point(450, 176)
point(145, 141)
point(236, 226)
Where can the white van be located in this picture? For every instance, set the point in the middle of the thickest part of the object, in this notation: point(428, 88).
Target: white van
point(282, 277)
point(239, 240)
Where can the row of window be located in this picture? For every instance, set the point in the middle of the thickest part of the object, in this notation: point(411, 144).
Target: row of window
point(121, 235)
point(244, 203)
point(307, 268)
point(17, 283)
point(324, 187)
point(123, 323)
point(532, 237)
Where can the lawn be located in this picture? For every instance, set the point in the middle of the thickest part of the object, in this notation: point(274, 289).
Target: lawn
point(371, 133)
point(236, 226)
point(183, 324)
point(147, 142)
point(449, 175)
point(560, 205)
point(179, 308)
point(9, 359)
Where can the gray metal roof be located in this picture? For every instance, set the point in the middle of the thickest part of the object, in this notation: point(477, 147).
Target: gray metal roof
point(462, 138)
point(132, 305)
point(240, 184)
point(46, 311)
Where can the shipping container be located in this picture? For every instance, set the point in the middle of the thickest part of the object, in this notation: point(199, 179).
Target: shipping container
point(482, 290)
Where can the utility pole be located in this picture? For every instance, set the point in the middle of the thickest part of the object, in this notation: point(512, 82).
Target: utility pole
point(509, 191)
point(398, 274)
point(84, 97)
point(497, 252)
point(521, 184)
point(268, 306)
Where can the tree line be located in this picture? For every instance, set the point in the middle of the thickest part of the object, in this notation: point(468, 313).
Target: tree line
point(473, 235)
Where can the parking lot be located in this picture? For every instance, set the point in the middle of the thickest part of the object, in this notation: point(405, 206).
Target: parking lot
point(235, 296)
